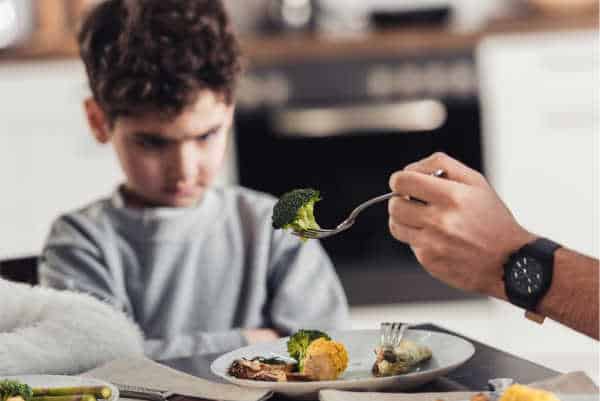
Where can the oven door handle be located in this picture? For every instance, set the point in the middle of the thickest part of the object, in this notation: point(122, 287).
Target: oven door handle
point(399, 117)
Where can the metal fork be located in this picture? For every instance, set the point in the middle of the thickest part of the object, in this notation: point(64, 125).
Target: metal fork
point(142, 393)
point(391, 334)
point(346, 224)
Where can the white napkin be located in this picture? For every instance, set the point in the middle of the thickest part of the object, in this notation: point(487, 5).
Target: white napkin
point(143, 372)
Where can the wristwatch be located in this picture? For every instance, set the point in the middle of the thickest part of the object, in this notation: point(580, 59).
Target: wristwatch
point(528, 275)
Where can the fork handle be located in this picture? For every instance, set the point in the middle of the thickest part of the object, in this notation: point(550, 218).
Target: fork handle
point(381, 198)
point(142, 393)
point(440, 173)
point(378, 199)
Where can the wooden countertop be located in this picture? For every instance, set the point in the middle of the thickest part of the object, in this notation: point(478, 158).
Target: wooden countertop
point(266, 50)
point(400, 42)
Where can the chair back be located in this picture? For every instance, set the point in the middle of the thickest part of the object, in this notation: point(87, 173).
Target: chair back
point(24, 270)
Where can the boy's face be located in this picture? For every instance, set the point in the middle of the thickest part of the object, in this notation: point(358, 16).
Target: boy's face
point(168, 162)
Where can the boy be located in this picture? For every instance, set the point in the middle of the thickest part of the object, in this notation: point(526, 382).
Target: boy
point(198, 268)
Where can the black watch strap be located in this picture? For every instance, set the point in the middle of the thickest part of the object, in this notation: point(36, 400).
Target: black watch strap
point(542, 249)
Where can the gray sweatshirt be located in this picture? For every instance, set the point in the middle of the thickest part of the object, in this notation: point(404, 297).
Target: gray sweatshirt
point(193, 277)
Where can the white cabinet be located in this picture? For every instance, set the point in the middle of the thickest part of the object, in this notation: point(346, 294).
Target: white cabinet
point(49, 162)
point(541, 122)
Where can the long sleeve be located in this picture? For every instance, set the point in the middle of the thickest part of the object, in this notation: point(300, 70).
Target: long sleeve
point(306, 290)
point(78, 257)
point(58, 332)
point(199, 343)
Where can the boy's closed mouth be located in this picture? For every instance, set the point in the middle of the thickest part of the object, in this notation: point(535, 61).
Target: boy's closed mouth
point(180, 191)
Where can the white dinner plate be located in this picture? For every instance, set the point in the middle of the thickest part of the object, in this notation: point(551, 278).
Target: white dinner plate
point(449, 352)
point(63, 381)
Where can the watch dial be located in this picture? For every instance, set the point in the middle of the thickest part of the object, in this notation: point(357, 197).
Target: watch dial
point(526, 276)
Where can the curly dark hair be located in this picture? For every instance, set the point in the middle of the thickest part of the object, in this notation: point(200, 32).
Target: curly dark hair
point(155, 55)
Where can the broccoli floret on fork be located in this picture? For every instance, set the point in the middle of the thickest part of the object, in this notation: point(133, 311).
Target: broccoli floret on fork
point(295, 210)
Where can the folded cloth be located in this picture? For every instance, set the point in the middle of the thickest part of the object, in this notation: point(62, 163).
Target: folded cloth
point(143, 372)
point(570, 383)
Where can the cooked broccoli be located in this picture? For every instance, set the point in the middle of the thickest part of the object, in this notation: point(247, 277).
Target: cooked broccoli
point(295, 210)
point(13, 388)
point(299, 342)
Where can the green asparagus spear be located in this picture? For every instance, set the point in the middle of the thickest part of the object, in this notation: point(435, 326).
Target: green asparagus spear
point(71, 397)
point(98, 391)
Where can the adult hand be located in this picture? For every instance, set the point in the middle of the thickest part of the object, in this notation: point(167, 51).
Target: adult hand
point(464, 233)
point(260, 335)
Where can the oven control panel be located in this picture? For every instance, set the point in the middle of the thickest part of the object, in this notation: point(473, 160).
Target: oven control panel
point(349, 81)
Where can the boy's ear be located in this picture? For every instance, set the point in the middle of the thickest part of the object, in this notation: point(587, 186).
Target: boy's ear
point(97, 120)
point(231, 115)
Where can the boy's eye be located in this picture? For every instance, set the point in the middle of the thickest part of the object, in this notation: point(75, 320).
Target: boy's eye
point(151, 142)
point(207, 136)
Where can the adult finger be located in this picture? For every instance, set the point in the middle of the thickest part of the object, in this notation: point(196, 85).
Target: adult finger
point(454, 170)
point(423, 186)
point(406, 234)
point(408, 213)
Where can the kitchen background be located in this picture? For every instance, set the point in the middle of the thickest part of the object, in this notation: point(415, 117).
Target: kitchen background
point(361, 88)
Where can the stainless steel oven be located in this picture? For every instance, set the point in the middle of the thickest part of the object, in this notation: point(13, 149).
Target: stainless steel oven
point(342, 127)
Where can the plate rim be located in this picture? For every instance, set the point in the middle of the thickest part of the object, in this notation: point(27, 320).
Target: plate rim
point(351, 381)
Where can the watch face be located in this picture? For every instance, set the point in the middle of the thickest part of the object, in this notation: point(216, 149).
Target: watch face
point(526, 276)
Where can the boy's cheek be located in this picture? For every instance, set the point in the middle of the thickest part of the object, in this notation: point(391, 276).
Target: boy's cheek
point(144, 171)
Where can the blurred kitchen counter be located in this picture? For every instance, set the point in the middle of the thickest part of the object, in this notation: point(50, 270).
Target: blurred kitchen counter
point(261, 51)
point(266, 50)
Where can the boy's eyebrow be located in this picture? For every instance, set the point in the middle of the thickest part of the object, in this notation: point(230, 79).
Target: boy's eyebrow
point(208, 131)
point(161, 136)
point(148, 134)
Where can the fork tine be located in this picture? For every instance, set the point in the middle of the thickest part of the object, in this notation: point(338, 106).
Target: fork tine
point(305, 234)
point(310, 231)
point(386, 330)
point(315, 234)
point(394, 334)
point(320, 230)
point(401, 329)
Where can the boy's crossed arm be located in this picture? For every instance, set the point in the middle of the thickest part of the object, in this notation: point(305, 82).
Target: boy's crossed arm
point(73, 261)
point(66, 269)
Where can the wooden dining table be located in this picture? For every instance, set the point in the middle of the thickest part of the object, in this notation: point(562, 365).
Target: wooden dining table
point(487, 363)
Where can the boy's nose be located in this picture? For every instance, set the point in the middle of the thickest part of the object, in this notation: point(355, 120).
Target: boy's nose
point(183, 163)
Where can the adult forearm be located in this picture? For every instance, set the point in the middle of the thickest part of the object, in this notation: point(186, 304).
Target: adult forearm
point(573, 296)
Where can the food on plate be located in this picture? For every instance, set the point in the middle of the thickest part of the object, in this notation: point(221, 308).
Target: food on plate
point(480, 397)
point(324, 360)
point(316, 357)
point(100, 392)
point(71, 397)
point(12, 390)
point(295, 210)
point(519, 392)
point(298, 344)
point(273, 369)
point(401, 359)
